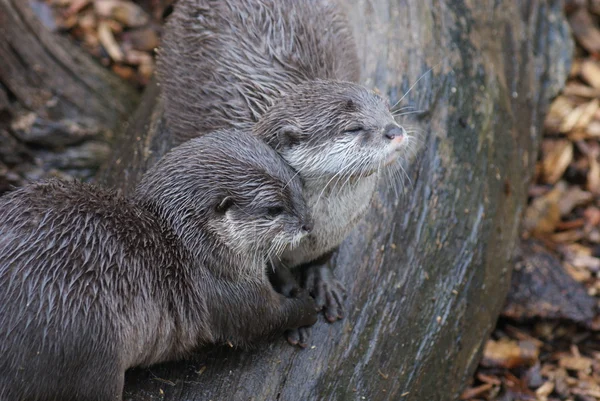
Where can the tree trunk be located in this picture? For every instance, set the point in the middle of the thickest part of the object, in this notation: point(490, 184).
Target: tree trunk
point(58, 108)
point(427, 271)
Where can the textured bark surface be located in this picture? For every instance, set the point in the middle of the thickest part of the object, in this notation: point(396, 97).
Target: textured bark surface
point(427, 271)
point(58, 108)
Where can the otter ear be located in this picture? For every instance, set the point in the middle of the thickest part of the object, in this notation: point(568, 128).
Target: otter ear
point(225, 204)
point(288, 135)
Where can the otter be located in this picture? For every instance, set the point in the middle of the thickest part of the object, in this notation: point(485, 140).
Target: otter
point(223, 63)
point(92, 283)
point(287, 70)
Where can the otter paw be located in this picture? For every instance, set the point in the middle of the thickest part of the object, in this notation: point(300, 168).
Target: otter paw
point(298, 336)
point(328, 292)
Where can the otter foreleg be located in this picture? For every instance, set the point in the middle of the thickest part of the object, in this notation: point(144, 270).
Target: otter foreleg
point(285, 283)
point(262, 312)
point(329, 293)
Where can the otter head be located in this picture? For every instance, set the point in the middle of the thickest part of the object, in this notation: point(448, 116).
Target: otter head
point(328, 128)
point(232, 186)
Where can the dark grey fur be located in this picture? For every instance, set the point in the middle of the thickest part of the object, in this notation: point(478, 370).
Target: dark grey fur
point(285, 65)
point(92, 283)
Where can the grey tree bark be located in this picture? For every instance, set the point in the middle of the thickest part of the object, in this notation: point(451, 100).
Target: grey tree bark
point(58, 108)
point(428, 269)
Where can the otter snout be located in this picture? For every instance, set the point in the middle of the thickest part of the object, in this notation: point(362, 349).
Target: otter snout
point(393, 131)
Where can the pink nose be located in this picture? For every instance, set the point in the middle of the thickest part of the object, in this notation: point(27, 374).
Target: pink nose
point(392, 131)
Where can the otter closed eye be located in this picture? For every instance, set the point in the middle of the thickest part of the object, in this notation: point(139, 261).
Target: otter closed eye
point(354, 130)
point(275, 211)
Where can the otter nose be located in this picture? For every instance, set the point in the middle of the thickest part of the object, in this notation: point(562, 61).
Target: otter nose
point(307, 227)
point(393, 131)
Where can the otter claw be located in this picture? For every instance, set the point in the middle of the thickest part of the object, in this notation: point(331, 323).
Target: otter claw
point(328, 292)
point(298, 336)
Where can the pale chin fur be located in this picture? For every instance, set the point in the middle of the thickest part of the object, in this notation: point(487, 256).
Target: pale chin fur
point(396, 150)
point(345, 198)
point(346, 157)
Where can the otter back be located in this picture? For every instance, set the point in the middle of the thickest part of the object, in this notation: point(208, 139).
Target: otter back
point(222, 63)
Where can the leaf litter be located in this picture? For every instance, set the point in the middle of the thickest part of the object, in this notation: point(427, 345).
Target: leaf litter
point(546, 345)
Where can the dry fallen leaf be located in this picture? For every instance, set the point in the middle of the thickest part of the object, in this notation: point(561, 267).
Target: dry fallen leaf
point(507, 353)
point(575, 363)
point(130, 15)
point(557, 157)
point(543, 214)
point(584, 29)
point(108, 41)
point(475, 391)
point(545, 389)
point(590, 72)
point(559, 109)
point(572, 198)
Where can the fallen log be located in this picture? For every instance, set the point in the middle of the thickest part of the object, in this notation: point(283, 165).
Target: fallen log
point(428, 269)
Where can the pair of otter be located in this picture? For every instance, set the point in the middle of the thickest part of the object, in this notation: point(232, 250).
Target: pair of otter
point(92, 283)
point(287, 71)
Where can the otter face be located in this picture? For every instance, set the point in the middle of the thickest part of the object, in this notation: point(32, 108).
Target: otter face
point(264, 217)
point(257, 200)
point(329, 128)
point(233, 186)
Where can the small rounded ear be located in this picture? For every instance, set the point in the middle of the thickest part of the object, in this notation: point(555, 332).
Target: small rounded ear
point(225, 204)
point(288, 135)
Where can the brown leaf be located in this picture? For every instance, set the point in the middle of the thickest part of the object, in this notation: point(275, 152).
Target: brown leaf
point(130, 15)
point(560, 108)
point(76, 6)
point(580, 363)
point(543, 214)
point(545, 389)
point(590, 72)
point(557, 157)
point(593, 129)
point(593, 178)
point(475, 391)
point(488, 379)
point(507, 353)
point(581, 90)
point(576, 272)
point(584, 29)
point(108, 42)
point(567, 236)
point(572, 198)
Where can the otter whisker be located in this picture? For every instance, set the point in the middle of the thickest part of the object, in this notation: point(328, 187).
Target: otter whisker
point(407, 113)
point(332, 178)
point(416, 82)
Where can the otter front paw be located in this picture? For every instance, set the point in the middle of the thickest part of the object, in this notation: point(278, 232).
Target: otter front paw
point(299, 333)
point(328, 292)
point(298, 336)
